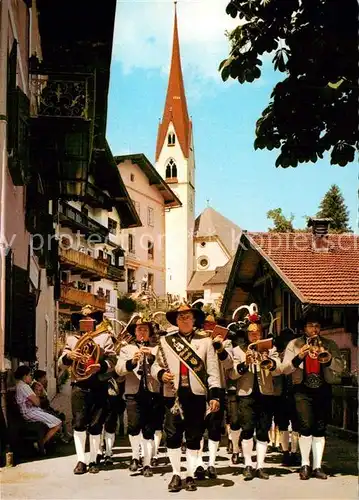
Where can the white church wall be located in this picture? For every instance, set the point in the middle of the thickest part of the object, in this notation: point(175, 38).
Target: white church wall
point(213, 293)
point(210, 251)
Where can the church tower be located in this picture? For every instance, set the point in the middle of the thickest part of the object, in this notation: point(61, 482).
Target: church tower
point(175, 162)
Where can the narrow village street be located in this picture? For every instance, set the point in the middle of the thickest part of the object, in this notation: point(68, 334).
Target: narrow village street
point(52, 479)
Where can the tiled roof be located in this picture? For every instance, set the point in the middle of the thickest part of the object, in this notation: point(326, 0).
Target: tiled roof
point(212, 223)
point(175, 110)
point(198, 279)
point(323, 278)
point(222, 274)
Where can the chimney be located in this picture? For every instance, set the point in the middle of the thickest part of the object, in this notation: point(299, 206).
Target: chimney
point(320, 238)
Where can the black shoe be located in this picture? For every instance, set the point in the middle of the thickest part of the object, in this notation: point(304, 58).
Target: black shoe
point(295, 459)
point(319, 474)
point(235, 458)
point(261, 474)
point(147, 471)
point(99, 458)
point(248, 473)
point(134, 465)
point(175, 484)
point(93, 468)
point(270, 449)
point(230, 447)
point(154, 462)
point(200, 473)
point(305, 472)
point(286, 458)
point(108, 461)
point(190, 484)
point(211, 472)
point(80, 468)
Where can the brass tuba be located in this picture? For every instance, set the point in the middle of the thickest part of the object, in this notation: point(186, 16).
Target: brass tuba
point(90, 352)
point(317, 350)
point(124, 337)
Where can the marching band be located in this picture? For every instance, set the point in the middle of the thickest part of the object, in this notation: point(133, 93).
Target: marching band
point(194, 376)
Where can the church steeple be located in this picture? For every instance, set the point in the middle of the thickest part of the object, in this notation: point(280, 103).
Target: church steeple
point(175, 110)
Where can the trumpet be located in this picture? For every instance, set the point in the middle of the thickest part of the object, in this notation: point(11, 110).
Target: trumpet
point(259, 351)
point(317, 350)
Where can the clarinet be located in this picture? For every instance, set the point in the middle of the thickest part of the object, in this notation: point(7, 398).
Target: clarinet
point(176, 408)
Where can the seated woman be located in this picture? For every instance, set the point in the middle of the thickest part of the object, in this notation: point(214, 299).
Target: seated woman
point(29, 405)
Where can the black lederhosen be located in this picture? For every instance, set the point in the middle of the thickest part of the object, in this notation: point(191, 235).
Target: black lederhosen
point(313, 409)
point(284, 410)
point(194, 409)
point(116, 406)
point(158, 410)
point(88, 401)
point(214, 420)
point(232, 415)
point(139, 413)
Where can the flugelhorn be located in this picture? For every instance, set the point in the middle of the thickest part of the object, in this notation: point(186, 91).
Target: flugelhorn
point(259, 351)
point(317, 350)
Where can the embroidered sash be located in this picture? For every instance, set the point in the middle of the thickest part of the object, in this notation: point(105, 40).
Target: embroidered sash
point(185, 353)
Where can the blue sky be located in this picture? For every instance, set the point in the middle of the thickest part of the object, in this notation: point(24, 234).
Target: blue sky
point(241, 183)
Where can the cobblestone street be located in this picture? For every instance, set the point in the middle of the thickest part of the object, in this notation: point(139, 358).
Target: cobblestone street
point(52, 479)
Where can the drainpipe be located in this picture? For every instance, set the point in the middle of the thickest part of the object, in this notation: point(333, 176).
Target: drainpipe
point(4, 30)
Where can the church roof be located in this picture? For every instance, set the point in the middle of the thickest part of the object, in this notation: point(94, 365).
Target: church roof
point(211, 223)
point(175, 110)
point(198, 279)
point(221, 275)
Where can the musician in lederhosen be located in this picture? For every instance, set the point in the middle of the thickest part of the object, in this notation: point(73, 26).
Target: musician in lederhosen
point(134, 363)
point(315, 363)
point(89, 392)
point(254, 392)
point(214, 420)
point(114, 410)
point(187, 365)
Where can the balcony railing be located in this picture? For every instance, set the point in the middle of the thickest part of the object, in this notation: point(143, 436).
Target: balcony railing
point(88, 266)
point(116, 274)
point(73, 296)
point(76, 220)
point(63, 96)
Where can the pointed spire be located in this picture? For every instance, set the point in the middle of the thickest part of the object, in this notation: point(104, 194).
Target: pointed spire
point(176, 105)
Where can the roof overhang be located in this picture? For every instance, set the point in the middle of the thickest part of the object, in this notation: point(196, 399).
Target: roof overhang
point(155, 179)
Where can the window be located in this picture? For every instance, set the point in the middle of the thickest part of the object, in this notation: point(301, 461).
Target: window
point(112, 226)
point(203, 262)
point(150, 216)
point(171, 139)
point(171, 170)
point(85, 210)
point(203, 244)
point(150, 250)
point(132, 177)
point(100, 254)
point(108, 296)
point(150, 281)
point(89, 288)
point(131, 243)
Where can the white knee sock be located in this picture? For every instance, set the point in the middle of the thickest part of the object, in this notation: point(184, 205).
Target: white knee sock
point(276, 437)
point(305, 444)
point(294, 442)
point(157, 442)
point(100, 447)
point(318, 445)
point(229, 432)
point(94, 445)
point(135, 446)
point(284, 439)
point(212, 447)
point(147, 445)
point(235, 440)
point(80, 441)
point(192, 461)
point(174, 454)
point(261, 453)
point(247, 448)
point(109, 440)
point(201, 445)
point(200, 462)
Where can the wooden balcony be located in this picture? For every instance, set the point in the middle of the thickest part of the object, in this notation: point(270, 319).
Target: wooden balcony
point(75, 220)
point(83, 264)
point(116, 274)
point(79, 298)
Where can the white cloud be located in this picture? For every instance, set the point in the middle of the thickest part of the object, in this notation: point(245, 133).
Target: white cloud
point(144, 29)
